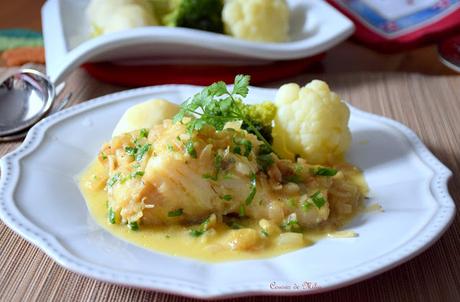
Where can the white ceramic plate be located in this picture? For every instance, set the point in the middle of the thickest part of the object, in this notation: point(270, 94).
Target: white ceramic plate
point(40, 200)
point(315, 27)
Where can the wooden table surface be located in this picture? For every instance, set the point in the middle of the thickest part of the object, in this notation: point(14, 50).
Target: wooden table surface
point(411, 87)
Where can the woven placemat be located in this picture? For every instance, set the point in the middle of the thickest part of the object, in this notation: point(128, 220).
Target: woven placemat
point(430, 105)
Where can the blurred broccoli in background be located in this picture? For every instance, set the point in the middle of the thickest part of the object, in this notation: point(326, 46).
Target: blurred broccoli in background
point(261, 116)
point(198, 14)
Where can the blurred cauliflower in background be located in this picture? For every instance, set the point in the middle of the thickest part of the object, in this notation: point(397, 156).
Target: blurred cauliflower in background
point(257, 20)
point(107, 16)
point(311, 122)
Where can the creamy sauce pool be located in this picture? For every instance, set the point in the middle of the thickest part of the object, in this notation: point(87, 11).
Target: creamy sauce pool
point(176, 240)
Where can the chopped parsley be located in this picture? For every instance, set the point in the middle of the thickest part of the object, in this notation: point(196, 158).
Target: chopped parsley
point(209, 176)
point(291, 224)
point(264, 233)
point(217, 166)
point(113, 180)
point(176, 213)
point(242, 212)
point(131, 151)
point(298, 169)
point(103, 156)
point(138, 151)
point(142, 151)
point(228, 176)
point(136, 174)
point(215, 106)
point(237, 150)
point(144, 133)
point(133, 226)
point(112, 216)
point(190, 148)
point(170, 147)
point(324, 171)
point(253, 189)
point(218, 163)
point(264, 161)
point(201, 230)
point(242, 142)
point(318, 199)
point(235, 226)
point(227, 197)
point(196, 233)
point(294, 178)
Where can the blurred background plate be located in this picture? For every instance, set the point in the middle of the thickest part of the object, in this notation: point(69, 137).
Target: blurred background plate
point(315, 28)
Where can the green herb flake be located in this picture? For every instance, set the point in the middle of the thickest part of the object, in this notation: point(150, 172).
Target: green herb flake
point(291, 225)
point(218, 163)
point(318, 199)
point(294, 178)
point(144, 133)
point(227, 197)
point(131, 151)
point(103, 156)
point(253, 189)
point(196, 233)
point(324, 171)
point(265, 161)
point(136, 174)
point(176, 213)
point(248, 147)
point(112, 216)
point(209, 176)
point(242, 212)
point(228, 176)
point(264, 233)
point(133, 226)
point(170, 148)
point(190, 148)
point(298, 169)
point(142, 151)
point(113, 180)
point(237, 150)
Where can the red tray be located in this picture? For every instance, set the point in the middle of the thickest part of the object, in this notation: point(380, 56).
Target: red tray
point(136, 76)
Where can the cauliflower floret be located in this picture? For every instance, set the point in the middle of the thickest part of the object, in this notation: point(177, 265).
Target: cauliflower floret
point(311, 122)
point(108, 16)
point(257, 20)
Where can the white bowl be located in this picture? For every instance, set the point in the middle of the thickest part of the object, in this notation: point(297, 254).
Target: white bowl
point(315, 27)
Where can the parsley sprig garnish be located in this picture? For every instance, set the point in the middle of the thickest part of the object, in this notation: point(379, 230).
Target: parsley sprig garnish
point(215, 106)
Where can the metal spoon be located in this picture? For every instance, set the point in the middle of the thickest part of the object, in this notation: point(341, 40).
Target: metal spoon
point(20, 135)
point(26, 96)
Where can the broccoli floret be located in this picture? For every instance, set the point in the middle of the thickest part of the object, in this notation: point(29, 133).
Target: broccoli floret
point(261, 116)
point(199, 14)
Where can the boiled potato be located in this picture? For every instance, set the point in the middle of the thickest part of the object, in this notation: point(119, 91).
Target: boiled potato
point(145, 115)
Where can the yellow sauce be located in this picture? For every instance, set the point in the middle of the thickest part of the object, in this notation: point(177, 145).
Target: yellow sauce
point(176, 240)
